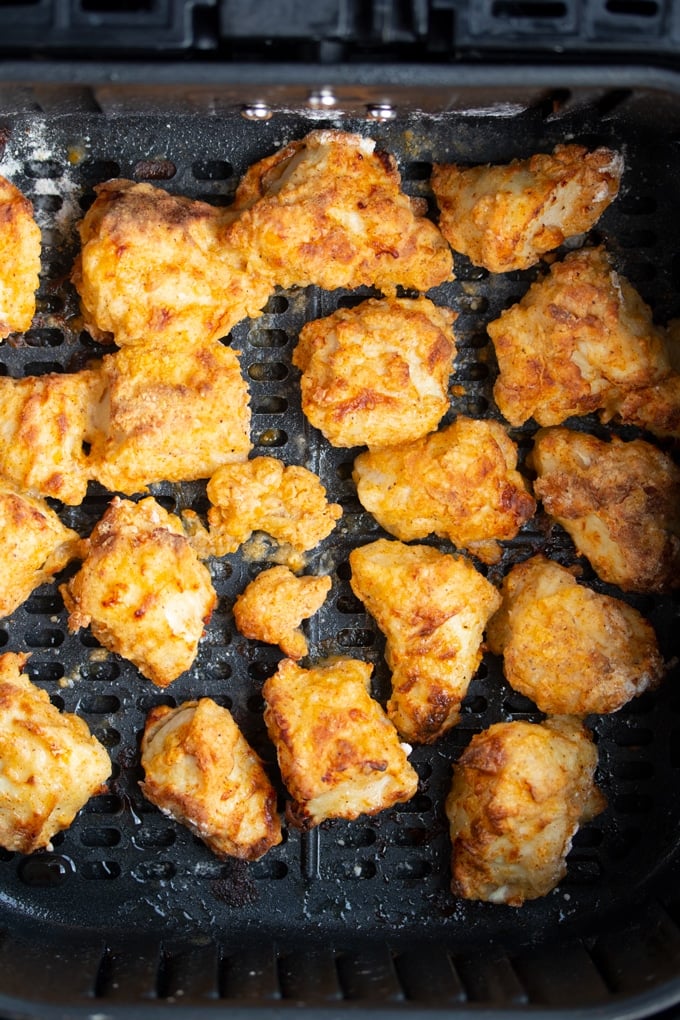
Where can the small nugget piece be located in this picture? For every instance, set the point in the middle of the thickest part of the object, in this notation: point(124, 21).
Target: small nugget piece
point(432, 608)
point(173, 415)
point(460, 483)
point(200, 770)
point(570, 649)
point(619, 501)
point(577, 340)
point(506, 217)
point(274, 605)
point(158, 267)
point(328, 210)
point(45, 423)
point(50, 764)
point(377, 374)
point(142, 590)
point(520, 791)
point(34, 546)
point(19, 258)
point(339, 755)
point(287, 502)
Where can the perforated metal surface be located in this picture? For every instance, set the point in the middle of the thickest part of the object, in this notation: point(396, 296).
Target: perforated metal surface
point(123, 867)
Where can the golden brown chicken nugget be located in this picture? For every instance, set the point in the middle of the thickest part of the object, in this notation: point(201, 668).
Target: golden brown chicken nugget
point(339, 755)
point(619, 501)
point(568, 648)
point(19, 259)
point(200, 770)
point(579, 339)
point(433, 609)
point(377, 374)
point(520, 791)
point(50, 764)
point(142, 590)
point(505, 217)
point(275, 603)
point(328, 210)
point(460, 483)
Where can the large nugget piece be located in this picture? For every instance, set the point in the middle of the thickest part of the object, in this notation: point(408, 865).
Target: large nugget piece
point(377, 374)
point(568, 648)
point(339, 755)
point(200, 770)
point(460, 483)
point(328, 210)
point(142, 590)
point(46, 425)
point(50, 764)
point(34, 546)
point(432, 608)
point(505, 217)
point(174, 415)
point(275, 603)
point(287, 502)
point(19, 259)
point(577, 340)
point(619, 501)
point(520, 791)
point(155, 266)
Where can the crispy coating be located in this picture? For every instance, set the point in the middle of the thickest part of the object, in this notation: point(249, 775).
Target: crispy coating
point(50, 764)
point(34, 546)
point(570, 649)
point(657, 408)
point(506, 217)
point(577, 340)
point(19, 258)
point(432, 608)
point(45, 422)
point(176, 417)
point(273, 606)
point(339, 755)
point(159, 267)
point(287, 502)
point(378, 373)
point(142, 590)
point(460, 483)
point(619, 501)
point(520, 791)
point(328, 210)
point(200, 770)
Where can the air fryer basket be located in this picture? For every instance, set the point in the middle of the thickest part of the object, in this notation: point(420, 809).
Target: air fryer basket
point(129, 913)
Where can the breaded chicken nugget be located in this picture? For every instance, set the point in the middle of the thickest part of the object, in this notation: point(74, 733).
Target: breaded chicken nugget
point(328, 210)
point(570, 649)
point(173, 416)
point(200, 770)
point(377, 374)
point(460, 483)
point(155, 266)
point(142, 590)
point(619, 501)
point(657, 408)
point(273, 606)
point(339, 755)
point(577, 340)
point(432, 608)
point(287, 502)
point(46, 424)
point(19, 258)
point(34, 546)
point(506, 217)
point(50, 764)
point(520, 791)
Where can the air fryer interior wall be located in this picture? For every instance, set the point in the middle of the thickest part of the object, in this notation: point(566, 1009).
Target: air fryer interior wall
point(125, 871)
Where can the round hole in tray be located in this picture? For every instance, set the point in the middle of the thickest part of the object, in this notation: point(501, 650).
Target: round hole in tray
point(267, 338)
point(38, 169)
point(95, 171)
point(413, 868)
point(43, 671)
point(158, 169)
point(99, 704)
point(100, 870)
point(211, 170)
point(43, 337)
point(154, 871)
point(45, 870)
point(267, 371)
point(96, 837)
point(44, 637)
point(149, 838)
point(272, 438)
point(276, 305)
point(271, 405)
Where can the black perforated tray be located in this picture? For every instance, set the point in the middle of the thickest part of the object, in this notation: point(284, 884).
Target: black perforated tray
point(129, 911)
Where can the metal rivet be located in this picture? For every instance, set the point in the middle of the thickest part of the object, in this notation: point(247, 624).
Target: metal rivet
point(324, 98)
point(381, 111)
point(256, 111)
